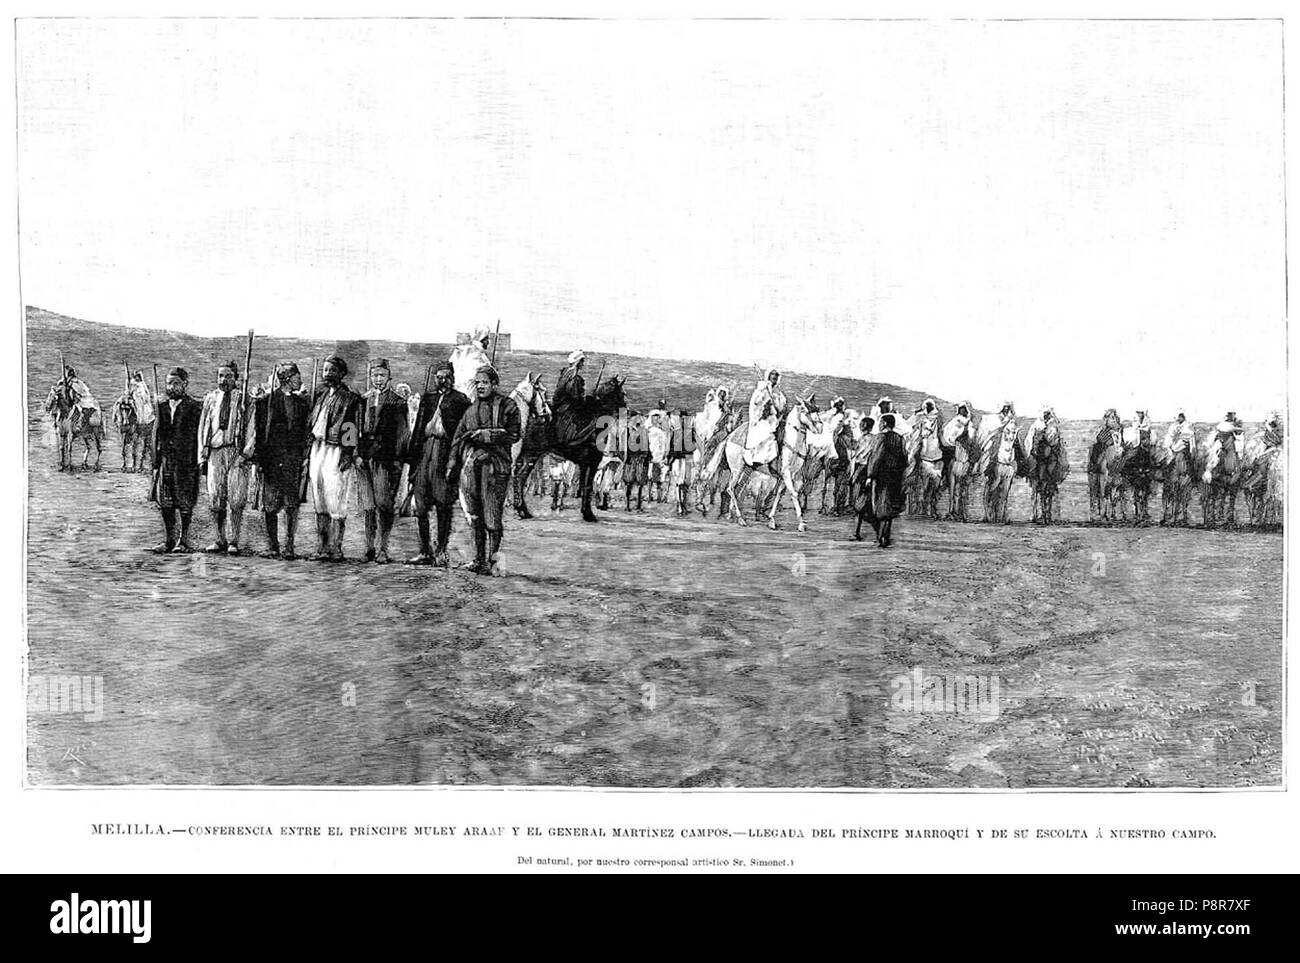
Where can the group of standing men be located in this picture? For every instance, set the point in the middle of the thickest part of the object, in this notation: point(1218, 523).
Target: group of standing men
point(282, 447)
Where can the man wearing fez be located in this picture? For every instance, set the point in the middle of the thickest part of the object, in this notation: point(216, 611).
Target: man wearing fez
point(379, 452)
point(335, 420)
point(428, 452)
point(221, 449)
point(175, 461)
point(480, 455)
point(278, 445)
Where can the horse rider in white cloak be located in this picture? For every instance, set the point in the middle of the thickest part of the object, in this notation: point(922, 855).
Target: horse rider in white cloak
point(927, 431)
point(956, 426)
point(767, 405)
point(85, 409)
point(142, 400)
point(1002, 439)
point(1232, 425)
point(469, 357)
point(885, 406)
point(1181, 436)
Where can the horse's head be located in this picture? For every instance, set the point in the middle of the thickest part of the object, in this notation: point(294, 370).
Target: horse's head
point(609, 397)
point(804, 416)
point(58, 401)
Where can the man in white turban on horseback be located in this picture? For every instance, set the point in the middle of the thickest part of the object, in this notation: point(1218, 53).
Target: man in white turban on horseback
point(469, 357)
point(143, 401)
point(1181, 436)
point(767, 405)
point(1232, 428)
point(955, 428)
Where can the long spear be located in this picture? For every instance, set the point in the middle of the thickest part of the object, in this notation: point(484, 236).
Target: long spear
point(248, 380)
point(244, 415)
point(157, 420)
point(495, 339)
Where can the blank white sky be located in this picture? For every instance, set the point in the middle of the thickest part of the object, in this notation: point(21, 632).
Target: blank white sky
point(1082, 214)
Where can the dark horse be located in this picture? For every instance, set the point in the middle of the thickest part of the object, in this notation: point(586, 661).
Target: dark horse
point(575, 433)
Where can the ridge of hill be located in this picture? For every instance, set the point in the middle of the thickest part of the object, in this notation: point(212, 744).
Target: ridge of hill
point(98, 350)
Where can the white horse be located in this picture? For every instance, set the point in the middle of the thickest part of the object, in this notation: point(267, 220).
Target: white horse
point(999, 467)
point(924, 469)
point(961, 436)
point(1263, 480)
point(800, 421)
point(824, 463)
point(712, 471)
point(530, 397)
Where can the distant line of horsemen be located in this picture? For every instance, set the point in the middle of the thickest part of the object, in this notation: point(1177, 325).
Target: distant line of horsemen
point(463, 440)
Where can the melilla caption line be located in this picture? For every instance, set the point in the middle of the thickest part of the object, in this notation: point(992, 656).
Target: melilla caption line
point(650, 832)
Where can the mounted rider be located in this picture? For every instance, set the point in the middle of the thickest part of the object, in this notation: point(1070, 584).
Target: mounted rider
point(1180, 439)
point(839, 432)
point(85, 409)
point(955, 429)
point(767, 406)
point(927, 433)
point(142, 400)
point(570, 402)
point(1111, 431)
point(884, 406)
point(469, 357)
point(1228, 433)
point(1047, 449)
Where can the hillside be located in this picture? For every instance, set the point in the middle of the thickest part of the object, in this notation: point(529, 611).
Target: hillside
point(98, 351)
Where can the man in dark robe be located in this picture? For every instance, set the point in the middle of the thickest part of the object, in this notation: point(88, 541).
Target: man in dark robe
point(428, 452)
point(278, 446)
point(886, 466)
point(176, 461)
point(379, 453)
point(570, 402)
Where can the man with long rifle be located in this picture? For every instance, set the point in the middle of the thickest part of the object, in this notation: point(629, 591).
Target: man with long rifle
point(221, 450)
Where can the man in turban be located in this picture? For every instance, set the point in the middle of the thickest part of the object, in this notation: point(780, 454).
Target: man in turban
point(570, 402)
point(335, 420)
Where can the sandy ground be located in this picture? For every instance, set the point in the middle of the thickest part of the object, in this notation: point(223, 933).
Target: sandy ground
point(655, 651)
